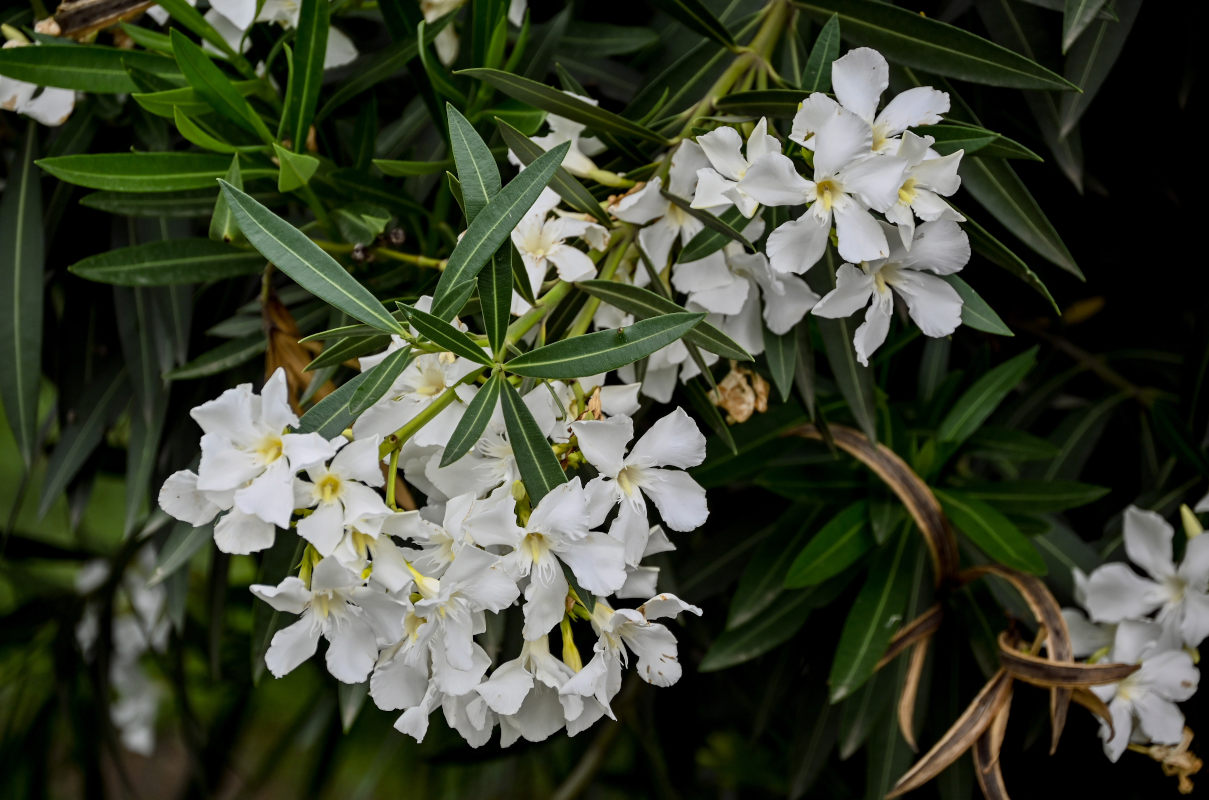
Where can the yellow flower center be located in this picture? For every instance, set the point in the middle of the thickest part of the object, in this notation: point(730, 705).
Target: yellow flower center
point(906, 192)
point(270, 448)
point(328, 488)
point(627, 479)
point(536, 546)
point(827, 192)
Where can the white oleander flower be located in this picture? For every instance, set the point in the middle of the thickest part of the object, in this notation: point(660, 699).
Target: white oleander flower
point(929, 177)
point(48, 105)
point(1180, 594)
point(337, 606)
point(557, 532)
point(735, 171)
point(422, 381)
point(673, 441)
point(578, 160)
point(1143, 706)
point(233, 18)
point(341, 496)
point(939, 247)
point(668, 221)
point(651, 641)
point(541, 242)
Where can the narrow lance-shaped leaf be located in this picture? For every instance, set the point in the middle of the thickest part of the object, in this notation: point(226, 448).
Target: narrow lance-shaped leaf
point(300, 258)
point(331, 415)
point(495, 297)
point(93, 68)
point(168, 262)
point(474, 420)
point(916, 41)
point(191, 18)
point(442, 333)
point(603, 351)
point(562, 104)
point(976, 313)
point(644, 303)
point(994, 533)
point(184, 542)
point(696, 16)
point(378, 380)
point(215, 87)
point(816, 76)
point(145, 172)
point(222, 221)
point(564, 183)
point(782, 354)
point(836, 546)
point(1090, 61)
point(1076, 16)
point(539, 468)
point(868, 628)
point(310, 49)
point(21, 265)
point(477, 172)
point(759, 635)
point(973, 407)
point(491, 228)
point(222, 358)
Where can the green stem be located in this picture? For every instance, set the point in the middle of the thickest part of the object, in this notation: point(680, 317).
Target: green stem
point(395, 441)
point(391, 477)
point(616, 255)
point(524, 323)
point(427, 262)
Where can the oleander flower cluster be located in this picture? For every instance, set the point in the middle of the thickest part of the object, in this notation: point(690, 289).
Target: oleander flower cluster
point(1157, 620)
point(413, 601)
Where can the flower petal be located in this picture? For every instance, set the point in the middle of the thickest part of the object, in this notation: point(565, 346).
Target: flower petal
point(859, 77)
point(722, 146)
point(853, 288)
point(603, 442)
point(773, 180)
point(673, 441)
point(352, 650)
point(921, 105)
point(872, 332)
point(1115, 593)
point(291, 646)
point(289, 596)
point(933, 304)
point(1148, 540)
point(180, 497)
point(797, 245)
point(324, 528)
point(861, 238)
point(679, 498)
point(239, 533)
point(941, 247)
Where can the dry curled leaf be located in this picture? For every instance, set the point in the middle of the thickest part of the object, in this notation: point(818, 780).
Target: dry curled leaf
point(1048, 674)
point(1175, 759)
point(285, 351)
point(740, 394)
point(910, 692)
point(918, 629)
point(960, 737)
point(80, 19)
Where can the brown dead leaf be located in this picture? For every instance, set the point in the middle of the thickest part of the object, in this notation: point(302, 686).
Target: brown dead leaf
point(81, 19)
point(285, 351)
point(1048, 674)
point(740, 394)
point(922, 627)
point(906, 700)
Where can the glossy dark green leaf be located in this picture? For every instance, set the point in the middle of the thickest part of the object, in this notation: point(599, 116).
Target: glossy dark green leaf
point(168, 262)
point(22, 261)
point(310, 49)
point(184, 542)
point(222, 358)
point(474, 420)
point(165, 102)
point(347, 349)
point(603, 351)
point(697, 17)
point(781, 103)
point(495, 297)
point(477, 172)
point(145, 172)
point(332, 414)
point(1034, 496)
point(854, 380)
point(222, 221)
point(838, 545)
point(215, 88)
point(816, 76)
point(870, 624)
point(976, 404)
point(92, 68)
point(562, 104)
point(976, 313)
point(762, 582)
point(994, 533)
point(490, 229)
point(919, 42)
point(1091, 59)
point(643, 303)
point(567, 185)
point(440, 332)
point(539, 467)
point(296, 169)
point(410, 169)
point(1010, 444)
point(378, 380)
point(998, 189)
point(768, 630)
point(951, 137)
point(781, 353)
point(998, 253)
point(300, 258)
point(1076, 16)
point(602, 39)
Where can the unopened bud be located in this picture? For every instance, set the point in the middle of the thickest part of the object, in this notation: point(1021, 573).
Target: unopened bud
point(1192, 525)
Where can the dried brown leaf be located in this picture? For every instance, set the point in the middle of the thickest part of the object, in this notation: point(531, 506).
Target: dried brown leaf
point(987, 769)
point(906, 700)
point(922, 627)
point(960, 737)
point(1048, 674)
point(1095, 705)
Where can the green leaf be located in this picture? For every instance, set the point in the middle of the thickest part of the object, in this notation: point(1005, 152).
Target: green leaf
point(491, 228)
point(643, 303)
point(184, 542)
point(300, 258)
point(602, 39)
point(22, 261)
point(881, 602)
point(1076, 16)
point(222, 358)
point(695, 16)
point(711, 240)
point(972, 408)
point(1034, 496)
point(562, 104)
point(994, 533)
point(191, 18)
point(474, 420)
point(763, 102)
point(196, 134)
point(310, 48)
point(296, 169)
point(351, 698)
point(348, 348)
point(990, 441)
point(440, 332)
point(998, 253)
point(816, 76)
point(838, 545)
point(378, 380)
point(539, 468)
point(717, 224)
point(102, 400)
point(495, 297)
point(976, 313)
point(477, 172)
point(332, 414)
point(92, 68)
point(163, 103)
point(997, 187)
point(169, 262)
point(603, 351)
point(222, 222)
point(564, 183)
point(185, 204)
point(1090, 61)
point(855, 381)
point(912, 40)
point(144, 172)
point(781, 351)
point(757, 637)
point(762, 581)
point(213, 86)
point(410, 169)
point(953, 136)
